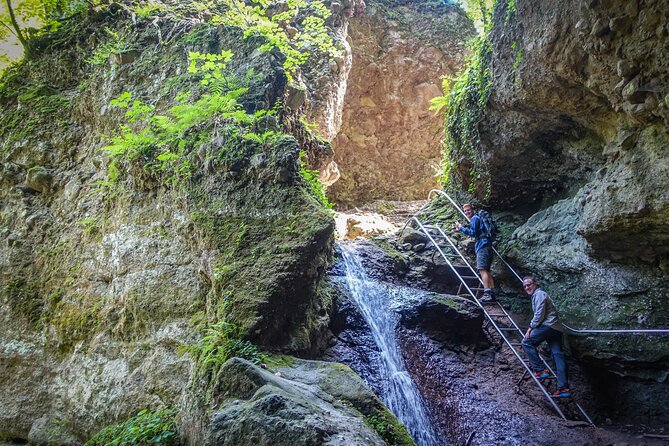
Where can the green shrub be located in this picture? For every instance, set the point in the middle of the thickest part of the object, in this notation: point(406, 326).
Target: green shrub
point(144, 429)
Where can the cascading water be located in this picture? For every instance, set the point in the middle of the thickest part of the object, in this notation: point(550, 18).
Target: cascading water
point(399, 392)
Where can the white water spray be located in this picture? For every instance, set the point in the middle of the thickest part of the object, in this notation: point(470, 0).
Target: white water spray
point(399, 392)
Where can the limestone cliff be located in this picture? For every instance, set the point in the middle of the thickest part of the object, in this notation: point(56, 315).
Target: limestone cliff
point(572, 136)
point(118, 250)
point(388, 146)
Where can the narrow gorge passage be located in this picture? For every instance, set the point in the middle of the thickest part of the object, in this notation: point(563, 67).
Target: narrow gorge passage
point(389, 142)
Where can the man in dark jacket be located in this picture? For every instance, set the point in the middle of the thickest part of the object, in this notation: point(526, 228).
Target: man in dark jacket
point(545, 326)
point(483, 248)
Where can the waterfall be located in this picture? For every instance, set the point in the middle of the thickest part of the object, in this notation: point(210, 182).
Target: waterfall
point(399, 391)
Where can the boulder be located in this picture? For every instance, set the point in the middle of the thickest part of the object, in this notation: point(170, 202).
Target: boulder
point(301, 402)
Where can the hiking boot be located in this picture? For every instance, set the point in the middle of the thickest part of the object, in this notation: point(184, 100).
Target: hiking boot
point(542, 374)
point(561, 393)
point(487, 297)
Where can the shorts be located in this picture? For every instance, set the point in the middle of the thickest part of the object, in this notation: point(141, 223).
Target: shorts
point(484, 258)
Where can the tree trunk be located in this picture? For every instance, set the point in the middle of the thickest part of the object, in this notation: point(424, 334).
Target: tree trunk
point(15, 24)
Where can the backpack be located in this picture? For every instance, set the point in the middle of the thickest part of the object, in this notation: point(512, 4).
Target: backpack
point(489, 225)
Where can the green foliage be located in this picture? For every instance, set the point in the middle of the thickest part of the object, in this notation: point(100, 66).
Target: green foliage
point(116, 43)
point(212, 69)
point(510, 11)
point(519, 57)
point(269, 19)
point(314, 186)
point(90, 225)
point(221, 342)
point(144, 429)
point(22, 20)
point(468, 97)
point(480, 12)
point(145, 11)
point(438, 103)
point(160, 141)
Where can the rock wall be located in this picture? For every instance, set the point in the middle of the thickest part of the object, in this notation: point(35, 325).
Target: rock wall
point(103, 281)
point(388, 145)
point(574, 135)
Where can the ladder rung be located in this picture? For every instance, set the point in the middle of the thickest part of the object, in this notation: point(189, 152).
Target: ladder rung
point(498, 314)
point(516, 344)
point(469, 277)
point(507, 328)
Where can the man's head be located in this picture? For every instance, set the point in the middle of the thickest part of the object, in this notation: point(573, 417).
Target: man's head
point(530, 284)
point(468, 210)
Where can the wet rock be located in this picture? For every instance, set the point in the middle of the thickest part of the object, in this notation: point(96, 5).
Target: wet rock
point(413, 237)
point(600, 28)
point(124, 58)
point(443, 317)
point(620, 24)
point(296, 96)
point(634, 92)
point(627, 69)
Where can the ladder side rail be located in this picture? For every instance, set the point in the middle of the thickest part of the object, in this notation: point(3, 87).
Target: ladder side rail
point(424, 229)
point(584, 413)
point(508, 316)
point(455, 248)
point(436, 245)
point(455, 205)
point(525, 365)
point(487, 314)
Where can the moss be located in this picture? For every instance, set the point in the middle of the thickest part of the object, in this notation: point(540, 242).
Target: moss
point(201, 36)
point(451, 303)
point(23, 298)
point(388, 427)
point(74, 322)
point(390, 250)
point(279, 361)
point(34, 105)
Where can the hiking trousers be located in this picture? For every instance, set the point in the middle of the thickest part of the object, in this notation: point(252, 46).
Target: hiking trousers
point(554, 338)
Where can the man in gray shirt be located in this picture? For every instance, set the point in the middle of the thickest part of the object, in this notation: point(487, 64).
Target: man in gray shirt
point(545, 326)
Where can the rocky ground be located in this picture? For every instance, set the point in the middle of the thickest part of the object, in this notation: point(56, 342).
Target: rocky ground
point(479, 394)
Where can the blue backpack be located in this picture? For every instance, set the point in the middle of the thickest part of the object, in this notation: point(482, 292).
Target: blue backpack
point(489, 225)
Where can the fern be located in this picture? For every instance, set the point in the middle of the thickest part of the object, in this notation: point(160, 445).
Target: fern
point(255, 19)
point(314, 186)
point(221, 342)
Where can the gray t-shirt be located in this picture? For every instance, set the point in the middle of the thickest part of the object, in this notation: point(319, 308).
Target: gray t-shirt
point(544, 311)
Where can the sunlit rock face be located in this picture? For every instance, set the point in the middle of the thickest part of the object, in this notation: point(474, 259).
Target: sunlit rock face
point(389, 143)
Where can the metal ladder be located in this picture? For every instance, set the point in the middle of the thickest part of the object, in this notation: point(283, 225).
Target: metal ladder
point(495, 313)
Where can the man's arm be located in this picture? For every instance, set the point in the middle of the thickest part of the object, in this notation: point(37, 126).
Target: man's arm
point(469, 230)
point(539, 310)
